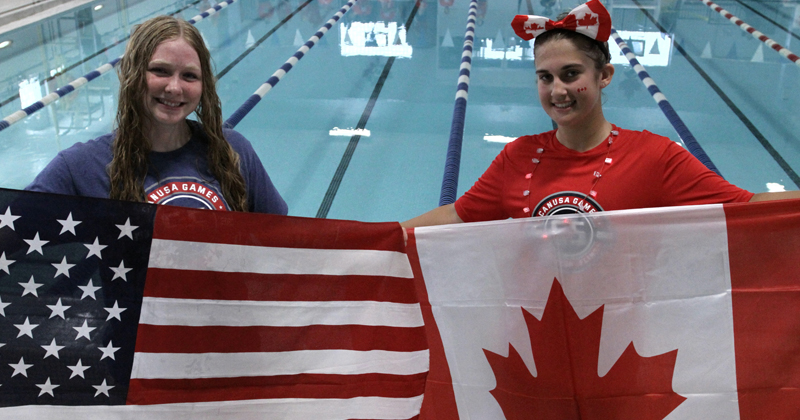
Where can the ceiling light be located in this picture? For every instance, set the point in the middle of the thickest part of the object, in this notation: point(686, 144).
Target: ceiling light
point(5, 43)
point(98, 7)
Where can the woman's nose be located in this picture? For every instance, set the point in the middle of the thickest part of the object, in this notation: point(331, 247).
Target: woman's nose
point(174, 84)
point(559, 88)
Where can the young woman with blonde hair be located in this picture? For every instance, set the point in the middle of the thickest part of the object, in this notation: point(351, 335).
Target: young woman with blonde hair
point(156, 154)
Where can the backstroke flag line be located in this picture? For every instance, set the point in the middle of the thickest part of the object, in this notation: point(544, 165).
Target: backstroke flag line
point(113, 310)
point(672, 313)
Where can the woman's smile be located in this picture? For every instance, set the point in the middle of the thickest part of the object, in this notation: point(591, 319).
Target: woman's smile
point(569, 85)
point(174, 83)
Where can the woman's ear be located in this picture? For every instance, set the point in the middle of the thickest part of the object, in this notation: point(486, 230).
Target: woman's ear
point(606, 74)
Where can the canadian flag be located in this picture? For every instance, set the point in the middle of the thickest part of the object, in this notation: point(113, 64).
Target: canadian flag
point(673, 313)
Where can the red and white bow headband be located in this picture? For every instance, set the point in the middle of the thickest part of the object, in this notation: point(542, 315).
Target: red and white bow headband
point(590, 19)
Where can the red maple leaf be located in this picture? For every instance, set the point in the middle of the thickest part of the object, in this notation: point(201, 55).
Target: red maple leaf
point(587, 20)
point(567, 386)
point(534, 27)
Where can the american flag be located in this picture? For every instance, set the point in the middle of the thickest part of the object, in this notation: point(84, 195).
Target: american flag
point(120, 310)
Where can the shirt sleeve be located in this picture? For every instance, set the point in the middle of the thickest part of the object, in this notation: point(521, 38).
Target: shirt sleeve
point(483, 201)
point(262, 196)
point(56, 178)
point(687, 181)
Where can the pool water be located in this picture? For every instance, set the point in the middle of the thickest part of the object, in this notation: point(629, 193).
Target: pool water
point(392, 67)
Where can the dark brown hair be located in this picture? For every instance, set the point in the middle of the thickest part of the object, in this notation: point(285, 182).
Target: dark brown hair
point(596, 51)
point(131, 148)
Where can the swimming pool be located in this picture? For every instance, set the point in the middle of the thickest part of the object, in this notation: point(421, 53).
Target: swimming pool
point(393, 66)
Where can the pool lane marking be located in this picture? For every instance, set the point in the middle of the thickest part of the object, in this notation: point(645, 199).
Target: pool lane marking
point(250, 49)
point(453, 159)
point(752, 31)
point(683, 132)
point(768, 19)
point(336, 181)
point(77, 83)
point(743, 118)
point(255, 98)
point(87, 58)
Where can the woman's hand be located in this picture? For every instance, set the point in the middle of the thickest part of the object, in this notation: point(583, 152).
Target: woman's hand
point(443, 215)
point(778, 195)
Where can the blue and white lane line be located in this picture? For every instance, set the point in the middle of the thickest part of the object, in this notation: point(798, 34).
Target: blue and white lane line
point(683, 132)
point(58, 93)
point(221, 5)
point(276, 77)
point(75, 84)
point(453, 161)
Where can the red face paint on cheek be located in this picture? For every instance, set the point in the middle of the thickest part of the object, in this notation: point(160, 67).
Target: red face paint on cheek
point(581, 89)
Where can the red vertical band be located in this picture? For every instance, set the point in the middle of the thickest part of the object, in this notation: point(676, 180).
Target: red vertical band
point(764, 245)
point(439, 402)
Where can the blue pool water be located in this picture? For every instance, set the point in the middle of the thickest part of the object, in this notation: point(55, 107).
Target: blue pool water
point(738, 98)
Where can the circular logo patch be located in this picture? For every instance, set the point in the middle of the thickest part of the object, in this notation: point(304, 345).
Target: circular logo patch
point(566, 202)
point(576, 237)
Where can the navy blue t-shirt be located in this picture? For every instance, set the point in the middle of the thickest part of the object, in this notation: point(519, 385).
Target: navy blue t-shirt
point(180, 177)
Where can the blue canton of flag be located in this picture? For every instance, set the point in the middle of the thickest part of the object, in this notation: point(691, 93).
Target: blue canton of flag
point(72, 274)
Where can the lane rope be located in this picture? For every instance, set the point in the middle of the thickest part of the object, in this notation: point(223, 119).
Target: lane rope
point(256, 44)
point(89, 57)
point(256, 97)
point(728, 101)
point(776, 12)
point(453, 161)
point(683, 132)
point(77, 83)
point(752, 31)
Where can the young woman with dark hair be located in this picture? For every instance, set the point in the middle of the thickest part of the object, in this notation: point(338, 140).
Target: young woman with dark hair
point(587, 164)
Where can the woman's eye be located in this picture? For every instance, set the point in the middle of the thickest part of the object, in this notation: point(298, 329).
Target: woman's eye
point(545, 77)
point(158, 70)
point(191, 76)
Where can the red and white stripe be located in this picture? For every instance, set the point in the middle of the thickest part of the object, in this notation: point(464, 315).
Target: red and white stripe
point(261, 311)
point(279, 408)
point(752, 31)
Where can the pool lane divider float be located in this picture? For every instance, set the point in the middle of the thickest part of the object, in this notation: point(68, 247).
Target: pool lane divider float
point(453, 160)
point(255, 44)
point(89, 57)
point(685, 135)
point(77, 83)
point(729, 102)
point(255, 98)
point(752, 31)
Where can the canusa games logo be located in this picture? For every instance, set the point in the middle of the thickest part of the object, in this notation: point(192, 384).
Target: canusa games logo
point(576, 237)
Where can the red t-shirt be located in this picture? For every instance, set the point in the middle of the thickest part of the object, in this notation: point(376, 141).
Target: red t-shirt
point(538, 176)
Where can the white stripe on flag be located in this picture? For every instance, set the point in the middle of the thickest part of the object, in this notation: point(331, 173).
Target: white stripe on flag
point(199, 312)
point(184, 255)
point(284, 409)
point(227, 365)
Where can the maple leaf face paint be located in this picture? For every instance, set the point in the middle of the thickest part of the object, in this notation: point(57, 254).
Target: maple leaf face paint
point(569, 85)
